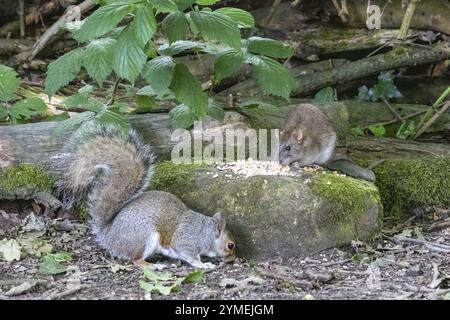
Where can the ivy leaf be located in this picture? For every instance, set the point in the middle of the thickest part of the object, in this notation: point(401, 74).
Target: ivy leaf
point(98, 59)
point(363, 94)
point(216, 26)
point(129, 58)
point(175, 26)
point(159, 72)
point(269, 47)
point(325, 95)
point(102, 20)
point(378, 131)
point(227, 63)
point(165, 6)
point(194, 277)
point(273, 77)
point(63, 70)
point(384, 88)
point(9, 250)
point(188, 90)
point(9, 83)
point(182, 117)
point(27, 108)
point(144, 25)
point(243, 18)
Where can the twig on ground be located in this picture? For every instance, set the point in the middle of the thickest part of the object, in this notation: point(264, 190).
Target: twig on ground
point(386, 102)
point(433, 119)
point(72, 14)
point(435, 282)
point(407, 19)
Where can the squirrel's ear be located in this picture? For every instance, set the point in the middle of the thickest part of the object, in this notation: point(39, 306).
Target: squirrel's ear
point(220, 223)
point(299, 135)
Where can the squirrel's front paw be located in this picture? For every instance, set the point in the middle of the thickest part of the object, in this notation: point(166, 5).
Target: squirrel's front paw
point(201, 265)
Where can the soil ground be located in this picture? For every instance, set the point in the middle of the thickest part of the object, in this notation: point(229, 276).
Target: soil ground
point(407, 262)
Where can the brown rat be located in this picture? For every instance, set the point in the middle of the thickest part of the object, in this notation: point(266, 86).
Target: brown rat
point(307, 136)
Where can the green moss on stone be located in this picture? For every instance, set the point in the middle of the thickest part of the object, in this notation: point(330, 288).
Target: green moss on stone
point(418, 182)
point(168, 174)
point(25, 176)
point(350, 196)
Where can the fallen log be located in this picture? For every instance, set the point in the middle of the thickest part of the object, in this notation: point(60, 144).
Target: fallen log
point(309, 83)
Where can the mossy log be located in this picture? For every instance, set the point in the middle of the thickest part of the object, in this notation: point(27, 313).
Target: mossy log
point(34, 143)
point(274, 216)
point(412, 174)
point(308, 83)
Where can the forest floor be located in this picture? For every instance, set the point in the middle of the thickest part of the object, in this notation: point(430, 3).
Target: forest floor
point(408, 264)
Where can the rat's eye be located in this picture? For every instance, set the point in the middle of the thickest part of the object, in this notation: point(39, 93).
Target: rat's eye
point(288, 148)
point(230, 245)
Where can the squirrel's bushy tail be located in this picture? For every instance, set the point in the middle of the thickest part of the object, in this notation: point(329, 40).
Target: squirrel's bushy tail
point(108, 167)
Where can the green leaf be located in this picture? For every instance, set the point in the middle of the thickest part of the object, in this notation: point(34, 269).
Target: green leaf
point(63, 70)
point(98, 59)
point(109, 117)
point(129, 58)
point(180, 46)
point(206, 2)
point(49, 265)
point(9, 83)
point(325, 95)
point(385, 89)
point(216, 26)
point(27, 108)
point(62, 256)
point(363, 94)
point(407, 129)
point(273, 77)
point(184, 4)
point(159, 74)
point(9, 250)
point(215, 111)
point(144, 25)
point(243, 18)
point(182, 117)
point(165, 6)
point(378, 131)
point(57, 117)
point(156, 287)
point(269, 47)
point(188, 90)
point(175, 26)
point(227, 63)
point(3, 112)
point(72, 123)
point(194, 277)
point(102, 20)
point(356, 131)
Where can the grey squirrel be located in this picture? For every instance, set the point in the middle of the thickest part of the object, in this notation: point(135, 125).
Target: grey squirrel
point(111, 169)
point(308, 137)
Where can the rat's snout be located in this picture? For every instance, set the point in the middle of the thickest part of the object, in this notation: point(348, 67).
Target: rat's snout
point(284, 156)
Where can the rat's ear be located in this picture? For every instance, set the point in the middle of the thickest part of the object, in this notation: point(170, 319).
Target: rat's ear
point(299, 135)
point(220, 223)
